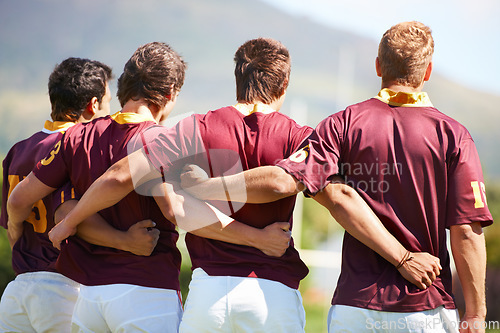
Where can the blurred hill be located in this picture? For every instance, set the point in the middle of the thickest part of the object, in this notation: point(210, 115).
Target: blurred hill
point(330, 68)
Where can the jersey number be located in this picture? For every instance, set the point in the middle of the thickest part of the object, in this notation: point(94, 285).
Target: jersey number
point(38, 216)
point(479, 194)
point(53, 153)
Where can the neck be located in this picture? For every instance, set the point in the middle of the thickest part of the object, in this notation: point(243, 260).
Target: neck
point(275, 105)
point(141, 106)
point(401, 88)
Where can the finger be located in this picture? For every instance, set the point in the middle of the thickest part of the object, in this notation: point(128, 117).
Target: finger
point(432, 276)
point(146, 224)
point(439, 265)
point(155, 232)
point(427, 282)
point(437, 269)
point(285, 226)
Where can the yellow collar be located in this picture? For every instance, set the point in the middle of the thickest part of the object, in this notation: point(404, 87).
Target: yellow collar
point(56, 126)
point(419, 99)
point(131, 118)
point(248, 109)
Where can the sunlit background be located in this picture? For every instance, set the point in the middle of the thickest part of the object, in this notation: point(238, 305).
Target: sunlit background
point(333, 46)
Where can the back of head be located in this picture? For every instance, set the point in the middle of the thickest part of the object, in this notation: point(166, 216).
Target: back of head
point(72, 85)
point(155, 72)
point(262, 70)
point(404, 53)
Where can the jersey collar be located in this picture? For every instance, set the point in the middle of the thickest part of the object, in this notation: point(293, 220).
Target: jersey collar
point(248, 109)
point(56, 126)
point(418, 99)
point(131, 118)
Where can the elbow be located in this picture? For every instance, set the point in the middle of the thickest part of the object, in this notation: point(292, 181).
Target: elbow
point(339, 193)
point(283, 184)
point(17, 200)
point(467, 231)
point(118, 178)
point(14, 203)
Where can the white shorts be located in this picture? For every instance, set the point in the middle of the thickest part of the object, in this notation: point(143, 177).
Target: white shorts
point(241, 304)
point(126, 308)
point(38, 302)
point(346, 319)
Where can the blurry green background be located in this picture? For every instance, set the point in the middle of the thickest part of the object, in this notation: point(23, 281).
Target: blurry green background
point(331, 68)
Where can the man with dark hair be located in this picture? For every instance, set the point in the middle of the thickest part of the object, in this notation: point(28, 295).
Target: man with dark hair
point(234, 287)
point(40, 299)
point(120, 291)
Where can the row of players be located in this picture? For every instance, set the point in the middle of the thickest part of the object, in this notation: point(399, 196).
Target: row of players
point(120, 275)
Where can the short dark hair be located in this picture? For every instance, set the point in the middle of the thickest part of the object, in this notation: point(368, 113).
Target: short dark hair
point(154, 72)
point(72, 85)
point(262, 70)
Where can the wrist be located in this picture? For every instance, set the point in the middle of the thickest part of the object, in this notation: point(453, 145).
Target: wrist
point(475, 315)
point(253, 236)
point(398, 257)
point(120, 240)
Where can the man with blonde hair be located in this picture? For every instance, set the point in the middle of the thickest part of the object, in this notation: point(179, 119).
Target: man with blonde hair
point(419, 171)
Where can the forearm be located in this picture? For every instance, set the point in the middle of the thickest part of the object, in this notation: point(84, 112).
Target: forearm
point(105, 192)
point(204, 220)
point(94, 229)
point(356, 217)
point(234, 232)
point(24, 196)
point(258, 185)
point(469, 252)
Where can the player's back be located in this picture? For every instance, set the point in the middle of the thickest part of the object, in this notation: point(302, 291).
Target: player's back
point(33, 251)
point(83, 155)
point(257, 139)
point(416, 168)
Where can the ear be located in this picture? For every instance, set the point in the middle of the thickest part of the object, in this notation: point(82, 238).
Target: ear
point(428, 72)
point(377, 67)
point(284, 88)
point(93, 106)
point(90, 110)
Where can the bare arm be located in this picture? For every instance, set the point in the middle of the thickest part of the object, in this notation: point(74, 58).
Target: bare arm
point(139, 239)
point(356, 217)
point(128, 173)
point(20, 203)
point(106, 191)
point(207, 221)
point(469, 252)
point(270, 183)
point(258, 185)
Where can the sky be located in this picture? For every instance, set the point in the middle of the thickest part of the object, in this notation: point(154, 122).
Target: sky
point(466, 33)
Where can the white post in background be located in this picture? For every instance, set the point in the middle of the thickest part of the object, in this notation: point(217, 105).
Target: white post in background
point(298, 112)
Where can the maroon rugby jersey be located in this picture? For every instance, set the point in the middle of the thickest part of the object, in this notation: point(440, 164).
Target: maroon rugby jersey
point(230, 138)
point(85, 152)
point(419, 171)
point(34, 251)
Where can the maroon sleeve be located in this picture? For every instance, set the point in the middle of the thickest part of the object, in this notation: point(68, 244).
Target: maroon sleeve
point(317, 160)
point(169, 149)
point(52, 170)
point(466, 191)
point(298, 134)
